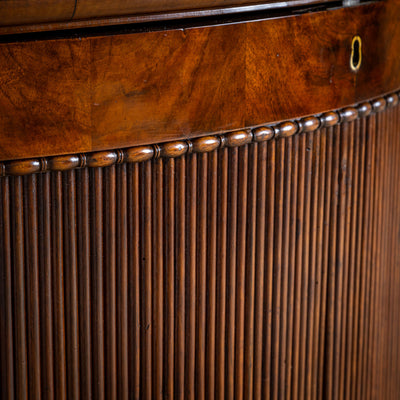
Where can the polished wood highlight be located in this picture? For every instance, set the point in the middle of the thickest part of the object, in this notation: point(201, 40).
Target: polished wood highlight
point(83, 94)
point(264, 268)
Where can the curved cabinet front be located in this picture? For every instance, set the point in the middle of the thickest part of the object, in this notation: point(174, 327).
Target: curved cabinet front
point(258, 261)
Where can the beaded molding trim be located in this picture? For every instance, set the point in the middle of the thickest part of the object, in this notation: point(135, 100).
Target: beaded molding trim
point(198, 145)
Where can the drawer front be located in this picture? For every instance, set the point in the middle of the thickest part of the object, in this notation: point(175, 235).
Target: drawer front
point(100, 92)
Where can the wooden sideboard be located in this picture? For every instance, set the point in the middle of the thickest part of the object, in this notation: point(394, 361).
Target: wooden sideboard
point(199, 200)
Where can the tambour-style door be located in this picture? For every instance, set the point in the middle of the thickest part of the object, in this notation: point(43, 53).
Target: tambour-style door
point(202, 209)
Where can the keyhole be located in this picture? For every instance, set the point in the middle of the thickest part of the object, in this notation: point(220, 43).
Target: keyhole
point(356, 55)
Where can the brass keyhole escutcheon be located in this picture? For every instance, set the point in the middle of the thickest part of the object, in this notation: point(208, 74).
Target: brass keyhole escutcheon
point(356, 54)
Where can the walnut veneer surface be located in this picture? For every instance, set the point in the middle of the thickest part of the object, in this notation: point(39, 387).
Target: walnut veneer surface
point(201, 212)
point(98, 92)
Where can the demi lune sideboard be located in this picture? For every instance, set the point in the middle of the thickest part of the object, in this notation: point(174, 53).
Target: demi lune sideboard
point(199, 200)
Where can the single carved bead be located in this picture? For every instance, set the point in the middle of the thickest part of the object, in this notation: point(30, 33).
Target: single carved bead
point(392, 100)
point(286, 129)
point(364, 109)
point(348, 114)
point(379, 105)
point(329, 118)
point(263, 133)
point(309, 124)
point(139, 154)
point(206, 144)
point(102, 159)
point(23, 167)
point(64, 163)
point(173, 149)
point(238, 138)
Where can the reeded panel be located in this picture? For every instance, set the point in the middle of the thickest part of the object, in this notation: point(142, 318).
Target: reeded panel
point(269, 270)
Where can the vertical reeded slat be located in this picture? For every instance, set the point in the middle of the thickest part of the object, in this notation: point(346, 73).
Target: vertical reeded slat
point(180, 277)
point(231, 273)
point(379, 317)
point(98, 285)
point(393, 318)
point(158, 277)
point(146, 281)
point(46, 287)
point(307, 145)
point(389, 277)
point(269, 270)
point(110, 283)
point(343, 312)
point(313, 298)
point(169, 253)
point(396, 262)
point(192, 278)
point(60, 382)
point(331, 350)
point(292, 262)
point(367, 254)
point(84, 271)
point(241, 271)
point(387, 251)
point(21, 371)
point(383, 277)
point(201, 268)
point(221, 272)
point(211, 274)
point(370, 389)
point(122, 283)
point(339, 258)
point(364, 248)
point(326, 148)
point(349, 289)
point(355, 256)
point(71, 285)
point(320, 143)
point(277, 276)
point(385, 268)
point(259, 268)
point(284, 303)
point(298, 290)
point(134, 315)
point(250, 274)
point(396, 256)
point(7, 337)
point(32, 284)
point(391, 261)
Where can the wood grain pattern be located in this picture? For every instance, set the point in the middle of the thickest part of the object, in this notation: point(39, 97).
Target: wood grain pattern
point(82, 94)
point(206, 144)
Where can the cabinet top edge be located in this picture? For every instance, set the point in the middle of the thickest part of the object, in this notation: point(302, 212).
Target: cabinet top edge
point(29, 16)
